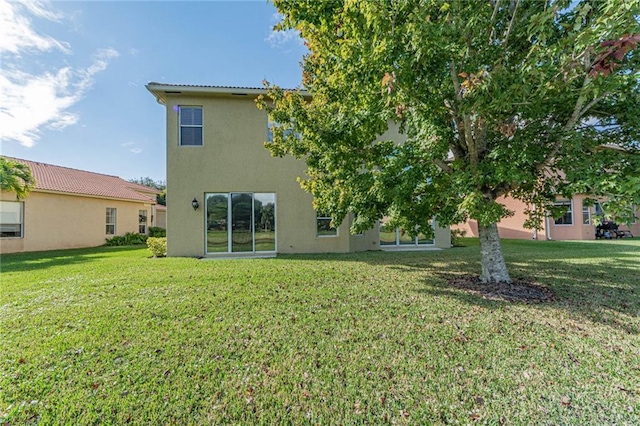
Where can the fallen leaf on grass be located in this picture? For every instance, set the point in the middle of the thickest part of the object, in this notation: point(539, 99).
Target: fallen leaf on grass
point(565, 400)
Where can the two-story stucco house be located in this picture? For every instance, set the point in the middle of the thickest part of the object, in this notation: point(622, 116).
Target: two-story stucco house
point(228, 196)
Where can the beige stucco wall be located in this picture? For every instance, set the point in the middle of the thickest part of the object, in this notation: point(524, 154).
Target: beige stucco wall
point(58, 221)
point(233, 159)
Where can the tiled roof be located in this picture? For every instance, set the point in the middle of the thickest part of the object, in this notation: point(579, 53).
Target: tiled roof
point(72, 181)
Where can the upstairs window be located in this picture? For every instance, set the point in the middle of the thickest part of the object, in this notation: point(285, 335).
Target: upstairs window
point(11, 219)
point(274, 124)
point(190, 125)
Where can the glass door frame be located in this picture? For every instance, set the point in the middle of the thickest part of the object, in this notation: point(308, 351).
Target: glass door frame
point(229, 222)
point(415, 243)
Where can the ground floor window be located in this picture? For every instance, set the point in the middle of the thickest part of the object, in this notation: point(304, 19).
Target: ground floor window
point(586, 215)
point(11, 219)
point(567, 217)
point(111, 221)
point(390, 236)
point(142, 221)
point(240, 222)
point(324, 227)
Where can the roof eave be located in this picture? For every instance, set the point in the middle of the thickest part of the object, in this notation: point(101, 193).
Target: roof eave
point(160, 91)
point(102, 197)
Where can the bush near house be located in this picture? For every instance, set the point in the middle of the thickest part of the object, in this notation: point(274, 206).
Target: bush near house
point(128, 239)
point(157, 246)
point(157, 232)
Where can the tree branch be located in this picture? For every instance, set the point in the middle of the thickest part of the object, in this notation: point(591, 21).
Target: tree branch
point(492, 34)
point(442, 166)
point(466, 121)
point(592, 103)
point(569, 125)
point(513, 18)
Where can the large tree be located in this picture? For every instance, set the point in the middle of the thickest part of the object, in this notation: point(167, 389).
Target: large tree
point(16, 177)
point(496, 98)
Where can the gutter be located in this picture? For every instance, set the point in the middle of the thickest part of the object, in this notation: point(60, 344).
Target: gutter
point(160, 91)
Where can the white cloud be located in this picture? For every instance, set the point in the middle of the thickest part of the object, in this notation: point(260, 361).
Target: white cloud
point(32, 102)
point(16, 33)
point(280, 38)
point(40, 9)
point(133, 146)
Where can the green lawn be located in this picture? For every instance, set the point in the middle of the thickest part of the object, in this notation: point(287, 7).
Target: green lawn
point(109, 336)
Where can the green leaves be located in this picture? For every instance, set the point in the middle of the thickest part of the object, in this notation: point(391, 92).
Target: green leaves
point(422, 108)
point(16, 177)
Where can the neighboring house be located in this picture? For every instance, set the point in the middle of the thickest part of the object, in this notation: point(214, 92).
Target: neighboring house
point(226, 194)
point(71, 208)
point(161, 216)
point(578, 222)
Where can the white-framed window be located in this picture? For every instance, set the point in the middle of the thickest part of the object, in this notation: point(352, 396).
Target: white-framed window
point(586, 215)
point(274, 124)
point(190, 119)
point(11, 219)
point(324, 227)
point(567, 217)
point(142, 221)
point(597, 209)
point(111, 221)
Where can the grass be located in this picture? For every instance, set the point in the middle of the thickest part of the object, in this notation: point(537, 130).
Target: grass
point(109, 336)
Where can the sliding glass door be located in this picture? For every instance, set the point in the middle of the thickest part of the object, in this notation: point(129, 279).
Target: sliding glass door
point(390, 236)
point(240, 222)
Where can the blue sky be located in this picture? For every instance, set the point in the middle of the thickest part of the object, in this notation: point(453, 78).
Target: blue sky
point(72, 74)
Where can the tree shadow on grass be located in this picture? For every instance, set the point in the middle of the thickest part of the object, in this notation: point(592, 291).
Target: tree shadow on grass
point(609, 296)
point(31, 261)
point(605, 290)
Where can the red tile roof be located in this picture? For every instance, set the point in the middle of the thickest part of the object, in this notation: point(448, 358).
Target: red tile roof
point(73, 181)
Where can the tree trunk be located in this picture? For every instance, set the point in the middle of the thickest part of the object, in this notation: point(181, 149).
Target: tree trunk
point(493, 267)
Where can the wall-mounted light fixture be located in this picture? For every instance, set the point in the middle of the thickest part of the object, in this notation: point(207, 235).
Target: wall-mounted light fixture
point(195, 204)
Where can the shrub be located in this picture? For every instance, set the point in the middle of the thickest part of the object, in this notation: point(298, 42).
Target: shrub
point(157, 232)
point(115, 241)
point(456, 237)
point(128, 239)
point(157, 246)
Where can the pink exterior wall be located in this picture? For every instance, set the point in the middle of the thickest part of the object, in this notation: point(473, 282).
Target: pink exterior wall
point(512, 227)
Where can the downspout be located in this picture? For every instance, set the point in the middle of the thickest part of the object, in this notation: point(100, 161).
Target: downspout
point(535, 231)
point(547, 229)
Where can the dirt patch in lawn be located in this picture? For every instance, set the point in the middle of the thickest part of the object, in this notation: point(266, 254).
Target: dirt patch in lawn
point(521, 290)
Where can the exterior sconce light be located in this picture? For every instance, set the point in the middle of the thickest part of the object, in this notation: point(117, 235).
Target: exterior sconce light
point(195, 204)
